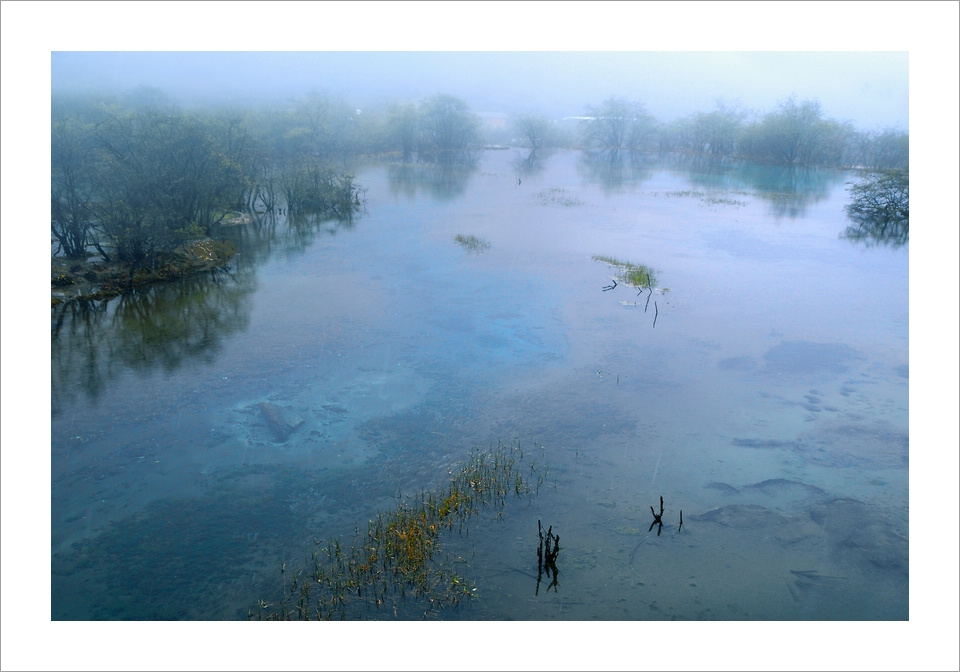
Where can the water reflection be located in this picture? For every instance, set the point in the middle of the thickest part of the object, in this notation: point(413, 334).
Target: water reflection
point(789, 190)
point(164, 326)
point(878, 233)
point(270, 235)
point(614, 170)
point(444, 180)
point(158, 327)
point(531, 164)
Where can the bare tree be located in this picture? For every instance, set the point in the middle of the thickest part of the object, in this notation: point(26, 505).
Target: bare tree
point(535, 130)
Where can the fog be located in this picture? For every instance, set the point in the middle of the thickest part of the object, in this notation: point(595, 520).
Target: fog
point(868, 89)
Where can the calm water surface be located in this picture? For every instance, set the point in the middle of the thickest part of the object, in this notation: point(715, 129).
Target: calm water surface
point(762, 390)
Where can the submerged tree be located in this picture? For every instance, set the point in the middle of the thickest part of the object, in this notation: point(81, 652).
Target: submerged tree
point(880, 208)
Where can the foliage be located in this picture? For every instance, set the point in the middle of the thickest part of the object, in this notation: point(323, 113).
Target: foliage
point(448, 130)
point(403, 123)
point(71, 187)
point(880, 208)
point(713, 134)
point(888, 149)
point(535, 130)
point(796, 133)
point(618, 125)
point(137, 178)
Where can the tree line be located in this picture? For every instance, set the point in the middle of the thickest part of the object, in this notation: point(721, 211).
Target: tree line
point(135, 176)
point(795, 133)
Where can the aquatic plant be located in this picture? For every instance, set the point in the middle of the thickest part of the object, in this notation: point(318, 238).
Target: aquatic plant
point(638, 275)
point(547, 558)
point(472, 244)
point(399, 555)
point(558, 197)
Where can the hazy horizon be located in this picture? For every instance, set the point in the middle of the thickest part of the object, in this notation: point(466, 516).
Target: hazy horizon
point(868, 89)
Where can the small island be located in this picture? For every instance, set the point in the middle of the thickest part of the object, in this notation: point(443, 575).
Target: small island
point(94, 278)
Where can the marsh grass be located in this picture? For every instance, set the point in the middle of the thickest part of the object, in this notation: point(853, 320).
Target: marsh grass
point(638, 275)
point(716, 200)
point(556, 196)
point(397, 567)
point(705, 199)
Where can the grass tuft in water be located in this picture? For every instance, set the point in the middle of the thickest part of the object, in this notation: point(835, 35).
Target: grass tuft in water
point(472, 244)
point(398, 560)
point(638, 275)
point(556, 196)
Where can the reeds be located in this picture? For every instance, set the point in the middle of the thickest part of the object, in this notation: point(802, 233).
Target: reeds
point(638, 275)
point(399, 555)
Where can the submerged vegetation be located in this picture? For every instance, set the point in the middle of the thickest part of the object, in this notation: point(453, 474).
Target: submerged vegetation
point(472, 244)
point(400, 557)
point(555, 196)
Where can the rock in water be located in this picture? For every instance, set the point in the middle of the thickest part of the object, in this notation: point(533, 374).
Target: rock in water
point(280, 420)
point(742, 516)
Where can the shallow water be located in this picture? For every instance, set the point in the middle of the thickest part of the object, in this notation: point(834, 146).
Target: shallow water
point(762, 390)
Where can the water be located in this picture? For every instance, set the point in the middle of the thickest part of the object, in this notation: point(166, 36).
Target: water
point(760, 387)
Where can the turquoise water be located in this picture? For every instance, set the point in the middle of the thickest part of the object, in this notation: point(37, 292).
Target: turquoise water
point(762, 390)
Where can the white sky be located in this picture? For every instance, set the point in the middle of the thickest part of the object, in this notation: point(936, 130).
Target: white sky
point(869, 89)
point(928, 30)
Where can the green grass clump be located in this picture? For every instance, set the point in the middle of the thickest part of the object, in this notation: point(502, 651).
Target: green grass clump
point(638, 275)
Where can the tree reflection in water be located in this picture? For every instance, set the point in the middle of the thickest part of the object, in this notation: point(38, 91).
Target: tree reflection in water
point(158, 327)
